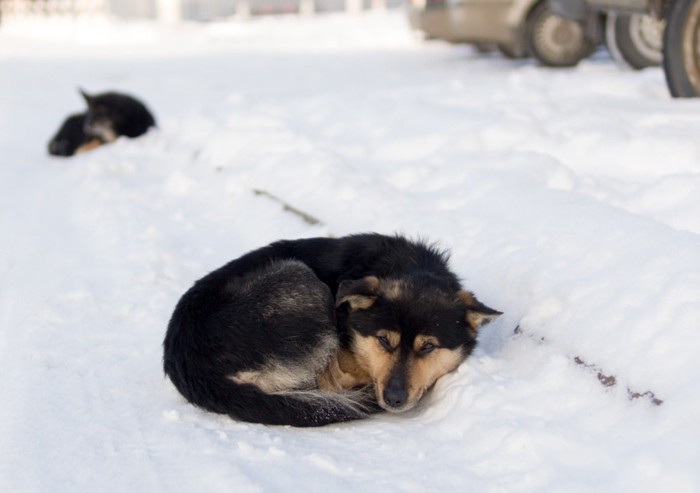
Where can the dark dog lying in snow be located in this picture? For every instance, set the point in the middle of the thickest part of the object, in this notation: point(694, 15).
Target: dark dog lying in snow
point(263, 339)
point(109, 116)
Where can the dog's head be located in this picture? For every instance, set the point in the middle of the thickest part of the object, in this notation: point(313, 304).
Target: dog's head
point(71, 139)
point(100, 119)
point(406, 332)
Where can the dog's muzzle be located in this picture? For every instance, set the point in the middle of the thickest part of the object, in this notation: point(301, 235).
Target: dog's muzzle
point(395, 394)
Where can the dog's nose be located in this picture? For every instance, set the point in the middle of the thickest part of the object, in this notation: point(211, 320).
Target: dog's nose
point(395, 396)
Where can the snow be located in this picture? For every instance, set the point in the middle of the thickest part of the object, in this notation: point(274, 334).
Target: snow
point(569, 199)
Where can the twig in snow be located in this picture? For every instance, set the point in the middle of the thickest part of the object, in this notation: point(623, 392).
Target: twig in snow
point(306, 217)
point(605, 379)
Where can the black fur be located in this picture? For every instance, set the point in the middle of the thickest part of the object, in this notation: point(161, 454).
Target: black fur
point(235, 320)
point(352, 257)
point(112, 114)
point(215, 331)
point(71, 137)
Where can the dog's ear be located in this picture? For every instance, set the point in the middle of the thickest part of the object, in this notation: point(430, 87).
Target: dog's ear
point(478, 314)
point(85, 96)
point(359, 294)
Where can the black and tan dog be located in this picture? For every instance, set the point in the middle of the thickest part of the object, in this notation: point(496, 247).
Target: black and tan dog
point(109, 115)
point(262, 339)
point(113, 114)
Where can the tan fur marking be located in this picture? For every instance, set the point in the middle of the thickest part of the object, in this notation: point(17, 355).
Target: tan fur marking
point(88, 146)
point(278, 376)
point(475, 319)
point(271, 379)
point(475, 316)
point(359, 301)
point(421, 341)
point(359, 294)
point(392, 336)
point(372, 282)
point(108, 134)
point(466, 297)
point(374, 361)
point(343, 372)
point(423, 372)
point(392, 290)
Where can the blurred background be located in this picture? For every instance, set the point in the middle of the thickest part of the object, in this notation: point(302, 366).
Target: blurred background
point(557, 33)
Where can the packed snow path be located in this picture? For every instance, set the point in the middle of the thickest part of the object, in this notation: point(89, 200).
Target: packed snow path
point(568, 198)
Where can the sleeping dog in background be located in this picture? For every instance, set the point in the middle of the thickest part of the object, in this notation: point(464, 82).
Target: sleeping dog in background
point(316, 331)
point(109, 116)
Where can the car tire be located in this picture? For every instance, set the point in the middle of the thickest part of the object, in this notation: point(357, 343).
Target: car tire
point(555, 41)
point(681, 51)
point(634, 40)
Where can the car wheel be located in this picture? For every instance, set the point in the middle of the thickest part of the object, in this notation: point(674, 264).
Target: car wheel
point(634, 40)
point(681, 49)
point(555, 41)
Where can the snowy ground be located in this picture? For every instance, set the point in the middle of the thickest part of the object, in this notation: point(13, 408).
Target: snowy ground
point(570, 200)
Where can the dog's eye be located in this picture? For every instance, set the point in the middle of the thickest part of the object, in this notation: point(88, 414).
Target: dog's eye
point(384, 343)
point(427, 348)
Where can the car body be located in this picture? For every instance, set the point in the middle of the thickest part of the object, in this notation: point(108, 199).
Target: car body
point(492, 21)
point(480, 22)
point(517, 28)
point(432, 18)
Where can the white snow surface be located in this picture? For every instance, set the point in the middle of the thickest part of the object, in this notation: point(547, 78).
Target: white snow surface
point(570, 200)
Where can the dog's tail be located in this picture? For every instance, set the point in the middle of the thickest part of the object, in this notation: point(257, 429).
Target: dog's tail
point(246, 402)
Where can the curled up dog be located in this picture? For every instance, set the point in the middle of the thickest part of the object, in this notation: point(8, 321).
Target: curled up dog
point(316, 331)
point(109, 116)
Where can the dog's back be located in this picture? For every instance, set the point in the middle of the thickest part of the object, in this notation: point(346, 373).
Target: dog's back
point(352, 257)
point(252, 346)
